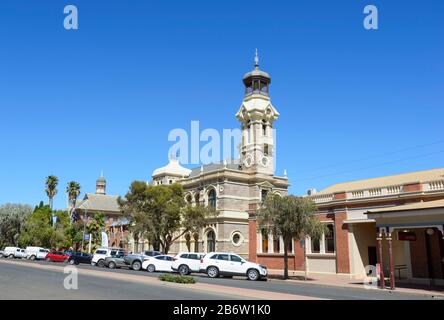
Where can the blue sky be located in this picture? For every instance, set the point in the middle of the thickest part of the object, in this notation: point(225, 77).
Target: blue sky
point(354, 103)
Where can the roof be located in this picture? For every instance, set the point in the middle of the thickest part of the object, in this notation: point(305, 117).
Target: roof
point(213, 167)
point(120, 222)
point(172, 168)
point(411, 206)
point(99, 202)
point(400, 179)
point(256, 73)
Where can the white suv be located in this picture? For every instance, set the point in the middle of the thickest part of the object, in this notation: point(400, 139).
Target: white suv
point(187, 262)
point(33, 253)
point(102, 253)
point(230, 264)
point(14, 252)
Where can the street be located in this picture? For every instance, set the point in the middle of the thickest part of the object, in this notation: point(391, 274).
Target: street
point(22, 279)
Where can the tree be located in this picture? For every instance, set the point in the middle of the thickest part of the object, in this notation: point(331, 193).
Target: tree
point(51, 189)
point(95, 228)
point(160, 213)
point(38, 230)
point(290, 217)
point(74, 235)
point(73, 191)
point(12, 220)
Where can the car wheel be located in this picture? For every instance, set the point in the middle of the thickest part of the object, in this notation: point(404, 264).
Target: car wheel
point(136, 266)
point(253, 274)
point(47, 259)
point(100, 263)
point(111, 265)
point(184, 270)
point(72, 262)
point(151, 268)
point(32, 258)
point(213, 272)
point(11, 256)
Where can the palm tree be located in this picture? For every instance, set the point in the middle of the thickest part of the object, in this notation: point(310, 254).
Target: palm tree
point(51, 188)
point(73, 191)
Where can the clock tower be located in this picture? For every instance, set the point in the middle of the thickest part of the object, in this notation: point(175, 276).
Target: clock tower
point(257, 116)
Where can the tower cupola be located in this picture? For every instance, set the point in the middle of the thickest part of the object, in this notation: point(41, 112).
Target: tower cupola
point(101, 185)
point(257, 81)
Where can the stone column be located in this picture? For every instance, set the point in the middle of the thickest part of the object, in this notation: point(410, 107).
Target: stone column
point(391, 261)
point(252, 233)
point(380, 259)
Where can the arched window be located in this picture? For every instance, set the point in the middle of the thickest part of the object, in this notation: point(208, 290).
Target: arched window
point(211, 241)
point(264, 128)
point(197, 199)
point(189, 199)
point(212, 199)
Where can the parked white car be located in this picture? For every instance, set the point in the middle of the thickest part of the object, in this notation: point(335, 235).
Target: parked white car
point(215, 264)
point(36, 253)
point(158, 263)
point(187, 262)
point(14, 252)
point(101, 254)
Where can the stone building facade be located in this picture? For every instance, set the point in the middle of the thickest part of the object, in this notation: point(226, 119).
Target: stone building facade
point(232, 186)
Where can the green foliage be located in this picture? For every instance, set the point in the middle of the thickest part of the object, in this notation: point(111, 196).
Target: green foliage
point(38, 230)
point(290, 217)
point(160, 213)
point(177, 278)
point(74, 235)
point(12, 219)
point(95, 228)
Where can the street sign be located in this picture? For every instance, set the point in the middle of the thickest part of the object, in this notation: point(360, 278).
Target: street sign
point(86, 237)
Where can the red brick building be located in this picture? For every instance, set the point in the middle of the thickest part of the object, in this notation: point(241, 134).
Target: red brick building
point(399, 218)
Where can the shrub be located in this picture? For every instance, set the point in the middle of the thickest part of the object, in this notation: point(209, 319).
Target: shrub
point(177, 278)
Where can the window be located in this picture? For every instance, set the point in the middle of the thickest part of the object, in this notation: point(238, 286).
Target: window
point(100, 252)
point(276, 245)
point(211, 241)
point(264, 128)
point(197, 199)
point(326, 244)
point(264, 242)
point(236, 258)
point(236, 239)
point(264, 194)
point(223, 257)
point(212, 198)
point(184, 256)
point(315, 246)
point(330, 240)
point(266, 149)
point(193, 257)
point(214, 257)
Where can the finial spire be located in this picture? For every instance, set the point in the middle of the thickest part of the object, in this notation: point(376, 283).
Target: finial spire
point(256, 60)
point(101, 173)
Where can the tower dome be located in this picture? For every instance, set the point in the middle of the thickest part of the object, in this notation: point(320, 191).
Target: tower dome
point(257, 81)
point(101, 185)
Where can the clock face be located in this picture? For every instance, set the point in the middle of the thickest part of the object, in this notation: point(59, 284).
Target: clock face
point(265, 161)
point(248, 161)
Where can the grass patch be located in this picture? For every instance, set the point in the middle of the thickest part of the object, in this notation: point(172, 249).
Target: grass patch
point(176, 278)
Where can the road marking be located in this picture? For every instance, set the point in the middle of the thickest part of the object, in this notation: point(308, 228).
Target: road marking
point(210, 288)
